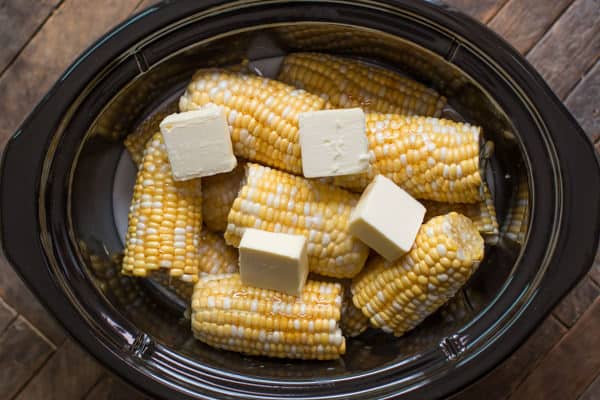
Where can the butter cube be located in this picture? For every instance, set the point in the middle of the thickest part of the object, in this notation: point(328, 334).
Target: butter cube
point(276, 261)
point(386, 218)
point(333, 142)
point(198, 143)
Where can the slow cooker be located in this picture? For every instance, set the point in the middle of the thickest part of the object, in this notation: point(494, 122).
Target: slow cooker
point(65, 182)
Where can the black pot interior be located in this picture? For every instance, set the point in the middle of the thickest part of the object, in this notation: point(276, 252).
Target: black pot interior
point(103, 176)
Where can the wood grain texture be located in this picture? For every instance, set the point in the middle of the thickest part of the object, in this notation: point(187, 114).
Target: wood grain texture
point(69, 374)
point(73, 27)
point(19, 19)
point(18, 296)
point(112, 388)
point(22, 352)
point(584, 102)
point(145, 4)
point(577, 301)
point(570, 47)
point(570, 366)
point(595, 270)
point(503, 380)
point(592, 392)
point(483, 10)
point(523, 22)
point(7, 315)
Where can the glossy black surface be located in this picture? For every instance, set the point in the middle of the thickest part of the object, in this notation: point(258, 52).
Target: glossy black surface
point(58, 178)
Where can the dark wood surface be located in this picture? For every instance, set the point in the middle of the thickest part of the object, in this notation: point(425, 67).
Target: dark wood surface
point(40, 38)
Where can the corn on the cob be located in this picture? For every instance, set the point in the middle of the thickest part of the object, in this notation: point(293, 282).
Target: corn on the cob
point(218, 193)
point(262, 114)
point(398, 296)
point(231, 316)
point(430, 158)
point(353, 322)
point(517, 220)
point(164, 219)
point(276, 201)
point(483, 214)
point(433, 159)
point(136, 141)
point(346, 83)
point(215, 257)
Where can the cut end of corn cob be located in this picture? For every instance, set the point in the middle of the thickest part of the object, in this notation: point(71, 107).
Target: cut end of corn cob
point(231, 316)
point(276, 201)
point(262, 114)
point(164, 219)
point(347, 83)
point(218, 193)
point(397, 296)
point(430, 158)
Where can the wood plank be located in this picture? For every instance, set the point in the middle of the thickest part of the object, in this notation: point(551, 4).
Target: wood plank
point(523, 22)
point(112, 388)
point(483, 10)
point(570, 47)
point(577, 301)
point(22, 352)
point(7, 315)
point(593, 391)
point(570, 366)
point(19, 297)
point(69, 374)
point(584, 104)
point(595, 270)
point(500, 382)
point(145, 4)
point(19, 19)
point(72, 28)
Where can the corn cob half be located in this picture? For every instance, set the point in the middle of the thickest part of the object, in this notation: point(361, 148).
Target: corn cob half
point(231, 316)
point(135, 142)
point(353, 322)
point(218, 193)
point(215, 257)
point(430, 158)
point(276, 201)
point(397, 296)
point(262, 114)
point(345, 83)
point(483, 214)
point(164, 219)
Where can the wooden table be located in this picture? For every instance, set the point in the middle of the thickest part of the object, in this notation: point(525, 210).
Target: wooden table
point(40, 38)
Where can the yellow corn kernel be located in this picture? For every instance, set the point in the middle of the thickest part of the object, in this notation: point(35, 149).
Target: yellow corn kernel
point(397, 296)
point(430, 158)
point(232, 316)
point(218, 193)
point(346, 83)
point(164, 219)
point(276, 201)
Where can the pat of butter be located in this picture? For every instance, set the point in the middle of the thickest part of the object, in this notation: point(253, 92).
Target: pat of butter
point(198, 143)
point(333, 142)
point(276, 261)
point(386, 218)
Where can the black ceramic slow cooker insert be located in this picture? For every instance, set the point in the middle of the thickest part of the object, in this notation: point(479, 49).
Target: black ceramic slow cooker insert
point(65, 178)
